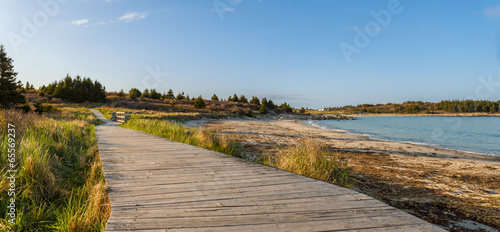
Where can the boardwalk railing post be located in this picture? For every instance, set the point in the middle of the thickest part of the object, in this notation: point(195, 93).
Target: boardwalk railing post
point(120, 116)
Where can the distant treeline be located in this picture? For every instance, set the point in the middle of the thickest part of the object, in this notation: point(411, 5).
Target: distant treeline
point(75, 90)
point(415, 107)
point(263, 103)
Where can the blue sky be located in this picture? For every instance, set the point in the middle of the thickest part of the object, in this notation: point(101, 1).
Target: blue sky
point(311, 53)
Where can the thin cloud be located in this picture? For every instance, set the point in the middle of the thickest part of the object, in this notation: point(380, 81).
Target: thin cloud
point(132, 16)
point(81, 22)
point(492, 12)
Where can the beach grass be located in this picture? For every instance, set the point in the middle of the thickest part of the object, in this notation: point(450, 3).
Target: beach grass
point(308, 158)
point(193, 136)
point(151, 114)
point(59, 183)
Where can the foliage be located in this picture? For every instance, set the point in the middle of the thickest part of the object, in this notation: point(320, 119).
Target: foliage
point(134, 93)
point(170, 94)
point(194, 136)
point(215, 98)
point(415, 107)
point(255, 100)
point(121, 93)
point(28, 86)
point(302, 110)
point(145, 93)
point(153, 94)
point(242, 99)
point(40, 108)
point(60, 185)
point(268, 103)
point(9, 96)
point(234, 98)
point(286, 107)
point(180, 96)
point(263, 109)
point(76, 90)
point(199, 103)
point(248, 113)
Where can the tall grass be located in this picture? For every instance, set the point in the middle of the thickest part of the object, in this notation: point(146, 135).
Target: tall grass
point(308, 158)
point(150, 114)
point(194, 136)
point(59, 184)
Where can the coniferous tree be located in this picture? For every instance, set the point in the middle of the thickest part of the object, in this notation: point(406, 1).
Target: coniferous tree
point(235, 98)
point(199, 103)
point(242, 99)
point(255, 101)
point(215, 98)
point(145, 93)
point(170, 94)
point(263, 109)
point(264, 102)
point(134, 93)
point(153, 94)
point(270, 104)
point(180, 96)
point(286, 107)
point(121, 93)
point(9, 95)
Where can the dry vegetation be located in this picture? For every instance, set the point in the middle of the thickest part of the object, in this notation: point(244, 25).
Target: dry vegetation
point(59, 184)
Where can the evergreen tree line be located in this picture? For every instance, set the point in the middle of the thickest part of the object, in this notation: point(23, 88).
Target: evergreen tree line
point(469, 106)
point(414, 107)
point(265, 104)
point(75, 90)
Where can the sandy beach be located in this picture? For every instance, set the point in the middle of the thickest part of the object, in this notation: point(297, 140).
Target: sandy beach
point(450, 188)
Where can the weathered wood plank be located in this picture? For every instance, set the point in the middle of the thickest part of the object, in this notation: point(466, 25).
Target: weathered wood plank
point(160, 185)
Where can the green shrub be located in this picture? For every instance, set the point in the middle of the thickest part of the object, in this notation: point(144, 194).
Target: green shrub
point(134, 93)
point(199, 103)
point(263, 109)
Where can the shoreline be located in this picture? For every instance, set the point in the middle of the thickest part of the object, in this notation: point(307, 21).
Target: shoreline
point(440, 185)
point(373, 138)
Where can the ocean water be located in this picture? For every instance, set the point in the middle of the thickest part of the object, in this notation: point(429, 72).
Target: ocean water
point(472, 134)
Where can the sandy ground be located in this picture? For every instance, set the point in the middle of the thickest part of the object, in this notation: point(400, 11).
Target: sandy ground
point(457, 190)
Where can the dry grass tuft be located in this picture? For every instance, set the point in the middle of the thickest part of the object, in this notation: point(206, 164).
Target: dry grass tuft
point(310, 159)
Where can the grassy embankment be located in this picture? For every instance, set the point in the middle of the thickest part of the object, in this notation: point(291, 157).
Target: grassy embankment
point(306, 158)
point(59, 184)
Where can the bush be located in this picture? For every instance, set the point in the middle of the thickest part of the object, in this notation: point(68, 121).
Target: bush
point(255, 101)
point(153, 94)
point(248, 113)
point(242, 99)
point(121, 93)
point(199, 103)
point(263, 109)
point(180, 96)
point(134, 93)
point(286, 107)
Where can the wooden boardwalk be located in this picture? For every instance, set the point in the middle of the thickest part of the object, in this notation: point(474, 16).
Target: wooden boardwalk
point(156, 184)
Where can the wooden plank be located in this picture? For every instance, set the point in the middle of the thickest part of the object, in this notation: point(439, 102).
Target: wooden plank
point(160, 185)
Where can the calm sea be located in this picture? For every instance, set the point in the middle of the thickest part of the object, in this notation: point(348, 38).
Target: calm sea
point(472, 134)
